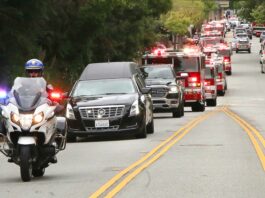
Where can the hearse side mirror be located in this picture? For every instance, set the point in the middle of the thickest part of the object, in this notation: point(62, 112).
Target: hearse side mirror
point(65, 95)
point(146, 90)
point(168, 83)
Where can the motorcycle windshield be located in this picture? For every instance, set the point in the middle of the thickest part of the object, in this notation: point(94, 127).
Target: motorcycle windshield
point(29, 92)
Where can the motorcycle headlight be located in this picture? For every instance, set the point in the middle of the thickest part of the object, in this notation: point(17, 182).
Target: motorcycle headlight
point(26, 121)
point(15, 118)
point(173, 90)
point(69, 112)
point(38, 118)
point(135, 108)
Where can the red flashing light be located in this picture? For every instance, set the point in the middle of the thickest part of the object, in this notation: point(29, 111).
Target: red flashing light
point(56, 96)
point(193, 79)
point(226, 59)
point(206, 83)
point(159, 52)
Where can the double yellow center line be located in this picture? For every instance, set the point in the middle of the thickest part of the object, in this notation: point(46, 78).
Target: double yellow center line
point(119, 181)
point(254, 135)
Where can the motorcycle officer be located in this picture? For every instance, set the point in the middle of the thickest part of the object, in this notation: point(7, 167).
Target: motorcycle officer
point(34, 68)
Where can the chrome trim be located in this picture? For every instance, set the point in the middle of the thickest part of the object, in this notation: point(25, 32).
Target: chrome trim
point(112, 111)
point(103, 129)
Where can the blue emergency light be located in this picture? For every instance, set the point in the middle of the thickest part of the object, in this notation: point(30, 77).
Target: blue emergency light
point(3, 94)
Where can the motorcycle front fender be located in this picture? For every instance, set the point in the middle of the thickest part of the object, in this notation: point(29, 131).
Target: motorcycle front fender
point(26, 141)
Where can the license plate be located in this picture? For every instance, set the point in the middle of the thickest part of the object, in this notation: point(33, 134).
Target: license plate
point(101, 123)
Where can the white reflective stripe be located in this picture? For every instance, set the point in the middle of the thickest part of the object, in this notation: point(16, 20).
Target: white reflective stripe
point(210, 88)
point(191, 89)
point(190, 100)
point(26, 141)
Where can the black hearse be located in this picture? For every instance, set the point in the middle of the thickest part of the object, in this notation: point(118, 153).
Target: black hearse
point(110, 98)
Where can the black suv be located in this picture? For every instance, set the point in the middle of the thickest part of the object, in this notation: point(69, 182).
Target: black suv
point(110, 98)
point(167, 92)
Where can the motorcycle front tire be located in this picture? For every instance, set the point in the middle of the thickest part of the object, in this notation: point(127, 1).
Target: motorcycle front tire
point(25, 163)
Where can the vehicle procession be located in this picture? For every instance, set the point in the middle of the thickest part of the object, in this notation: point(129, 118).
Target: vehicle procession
point(120, 97)
point(170, 85)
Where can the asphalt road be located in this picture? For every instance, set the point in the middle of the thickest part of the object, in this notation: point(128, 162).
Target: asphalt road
point(210, 157)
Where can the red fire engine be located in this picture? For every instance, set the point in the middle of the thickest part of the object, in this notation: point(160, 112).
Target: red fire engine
point(188, 65)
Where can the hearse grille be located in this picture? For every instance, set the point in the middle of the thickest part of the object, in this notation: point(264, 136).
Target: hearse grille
point(101, 112)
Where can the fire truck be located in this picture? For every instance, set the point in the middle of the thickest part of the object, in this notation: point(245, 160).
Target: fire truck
point(211, 84)
point(211, 41)
point(221, 76)
point(189, 65)
point(226, 53)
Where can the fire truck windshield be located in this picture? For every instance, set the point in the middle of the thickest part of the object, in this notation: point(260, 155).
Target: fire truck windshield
point(220, 68)
point(209, 73)
point(211, 42)
point(224, 52)
point(155, 72)
point(158, 60)
point(183, 63)
point(187, 64)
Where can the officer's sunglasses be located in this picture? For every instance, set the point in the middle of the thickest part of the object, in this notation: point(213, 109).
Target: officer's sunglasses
point(32, 71)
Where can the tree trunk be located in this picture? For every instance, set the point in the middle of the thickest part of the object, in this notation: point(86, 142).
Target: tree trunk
point(174, 42)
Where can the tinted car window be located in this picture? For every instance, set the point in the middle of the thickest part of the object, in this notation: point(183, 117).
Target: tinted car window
point(258, 28)
point(104, 87)
point(241, 35)
point(243, 42)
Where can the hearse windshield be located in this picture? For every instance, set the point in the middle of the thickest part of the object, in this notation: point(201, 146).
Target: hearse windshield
point(104, 87)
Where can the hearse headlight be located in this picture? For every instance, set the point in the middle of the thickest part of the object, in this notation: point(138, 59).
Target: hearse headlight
point(135, 110)
point(69, 112)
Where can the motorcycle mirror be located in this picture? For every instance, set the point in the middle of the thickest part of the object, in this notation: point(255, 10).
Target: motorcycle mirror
point(58, 109)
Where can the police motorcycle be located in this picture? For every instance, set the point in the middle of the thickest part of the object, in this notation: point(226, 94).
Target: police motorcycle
point(32, 134)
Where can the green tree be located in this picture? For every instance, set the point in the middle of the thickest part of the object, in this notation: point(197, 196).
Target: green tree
point(185, 13)
point(67, 35)
point(258, 14)
point(177, 22)
point(246, 7)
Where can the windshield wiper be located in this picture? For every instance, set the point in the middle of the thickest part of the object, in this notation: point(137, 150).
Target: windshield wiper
point(114, 93)
point(82, 96)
